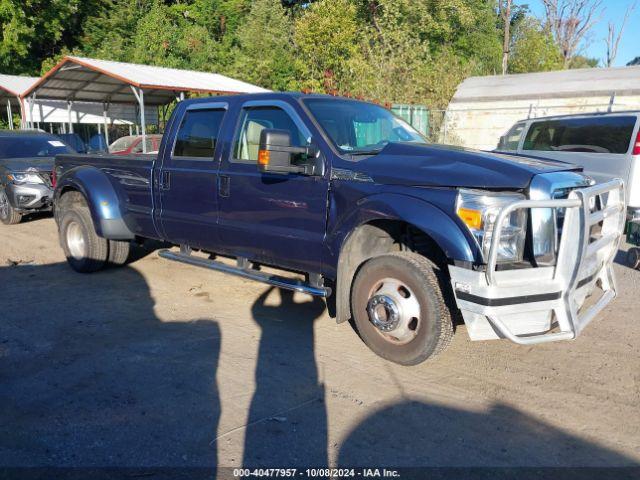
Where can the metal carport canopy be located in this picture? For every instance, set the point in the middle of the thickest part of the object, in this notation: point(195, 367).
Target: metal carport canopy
point(87, 79)
point(91, 80)
point(12, 87)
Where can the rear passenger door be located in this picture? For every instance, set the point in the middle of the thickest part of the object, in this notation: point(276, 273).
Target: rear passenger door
point(188, 178)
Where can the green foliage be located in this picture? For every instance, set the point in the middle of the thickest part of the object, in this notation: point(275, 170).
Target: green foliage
point(533, 49)
point(326, 39)
point(580, 61)
point(33, 30)
point(264, 54)
point(387, 50)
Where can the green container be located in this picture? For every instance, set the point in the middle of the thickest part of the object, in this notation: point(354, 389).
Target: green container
point(415, 115)
point(633, 233)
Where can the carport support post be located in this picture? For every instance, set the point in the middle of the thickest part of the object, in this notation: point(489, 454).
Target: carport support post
point(139, 94)
point(105, 111)
point(31, 100)
point(9, 114)
point(69, 105)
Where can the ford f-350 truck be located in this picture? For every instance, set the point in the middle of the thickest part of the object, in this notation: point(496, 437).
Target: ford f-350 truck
point(350, 203)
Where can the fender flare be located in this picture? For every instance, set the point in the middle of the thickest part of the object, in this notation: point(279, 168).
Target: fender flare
point(102, 199)
point(426, 217)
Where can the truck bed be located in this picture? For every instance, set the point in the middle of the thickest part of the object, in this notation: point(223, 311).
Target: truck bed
point(132, 177)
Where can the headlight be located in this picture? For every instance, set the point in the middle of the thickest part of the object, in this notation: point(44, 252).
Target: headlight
point(24, 178)
point(479, 211)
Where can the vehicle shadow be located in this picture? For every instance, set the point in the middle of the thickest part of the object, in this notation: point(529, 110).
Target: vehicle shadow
point(35, 216)
point(287, 422)
point(90, 377)
point(418, 434)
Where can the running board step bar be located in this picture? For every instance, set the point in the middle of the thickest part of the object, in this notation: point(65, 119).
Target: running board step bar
point(246, 272)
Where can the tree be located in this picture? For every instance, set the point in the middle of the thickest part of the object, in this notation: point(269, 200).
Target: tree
point(33, 30)
point(264, 54)
point(613, 37)
point(505, 13)
point(533, 49)
point(327, 38)
point(570, 21)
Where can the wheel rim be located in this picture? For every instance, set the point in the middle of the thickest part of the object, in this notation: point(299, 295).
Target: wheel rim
point(75, 241)
point(394, 311)
point(4, 204)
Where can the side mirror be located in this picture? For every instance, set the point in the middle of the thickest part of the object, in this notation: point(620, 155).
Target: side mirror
point(276, 153)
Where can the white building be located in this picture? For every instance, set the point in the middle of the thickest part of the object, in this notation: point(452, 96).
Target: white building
point(483, 108)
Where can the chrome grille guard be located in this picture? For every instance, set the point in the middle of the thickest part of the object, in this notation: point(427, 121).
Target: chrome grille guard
point(504, 298)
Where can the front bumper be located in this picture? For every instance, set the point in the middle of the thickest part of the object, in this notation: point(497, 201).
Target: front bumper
point(30, 196)
point(545, 304)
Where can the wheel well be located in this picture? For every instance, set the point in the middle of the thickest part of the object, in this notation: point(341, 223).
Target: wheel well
point(377, 238)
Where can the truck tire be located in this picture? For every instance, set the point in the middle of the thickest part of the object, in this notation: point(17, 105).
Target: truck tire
point(86, 252)
point(399, 308)
point(8, 215)
point(119, 252)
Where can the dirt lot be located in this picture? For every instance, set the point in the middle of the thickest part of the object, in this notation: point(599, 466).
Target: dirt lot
point(164, 364)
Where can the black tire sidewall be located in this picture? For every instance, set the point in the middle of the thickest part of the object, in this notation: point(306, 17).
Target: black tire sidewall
point(12, 217)
point(633, 258)
point(426, 340)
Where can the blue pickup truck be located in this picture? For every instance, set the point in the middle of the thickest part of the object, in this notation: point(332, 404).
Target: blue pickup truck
point(346, 201)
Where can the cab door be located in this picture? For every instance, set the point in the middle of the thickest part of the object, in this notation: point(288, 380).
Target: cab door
point(188, 178)
point(273, 218)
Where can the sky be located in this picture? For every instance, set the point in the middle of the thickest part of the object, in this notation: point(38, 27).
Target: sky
point(613, 11)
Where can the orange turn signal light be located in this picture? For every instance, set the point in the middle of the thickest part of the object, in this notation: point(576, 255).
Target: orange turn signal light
point(472, 218)
point(264, 157)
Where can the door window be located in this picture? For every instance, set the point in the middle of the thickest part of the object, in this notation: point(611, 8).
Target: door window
point(255, 119)
point(198, 133)
point(587, 135)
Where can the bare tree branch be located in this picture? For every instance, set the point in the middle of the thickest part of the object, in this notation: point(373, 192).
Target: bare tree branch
point(613, 38)
point(570, 21)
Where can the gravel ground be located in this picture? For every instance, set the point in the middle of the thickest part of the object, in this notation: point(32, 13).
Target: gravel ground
point(162, 364)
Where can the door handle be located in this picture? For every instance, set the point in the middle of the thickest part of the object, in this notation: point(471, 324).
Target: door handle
point(224, 183)
point(165, 180)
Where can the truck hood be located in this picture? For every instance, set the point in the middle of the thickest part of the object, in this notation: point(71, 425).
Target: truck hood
point(40, 164)
point(448, 166)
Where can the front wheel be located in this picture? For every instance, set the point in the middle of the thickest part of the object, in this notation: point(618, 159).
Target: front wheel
point(399, 309)
point(8, 214)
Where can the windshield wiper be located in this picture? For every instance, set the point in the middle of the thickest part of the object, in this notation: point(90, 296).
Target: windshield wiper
point(365, 152)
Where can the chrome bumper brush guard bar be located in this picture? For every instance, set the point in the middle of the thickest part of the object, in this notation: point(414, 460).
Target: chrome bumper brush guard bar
point(523, 305)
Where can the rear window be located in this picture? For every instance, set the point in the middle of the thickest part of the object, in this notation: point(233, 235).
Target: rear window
point(123, 143)
point(587, 135)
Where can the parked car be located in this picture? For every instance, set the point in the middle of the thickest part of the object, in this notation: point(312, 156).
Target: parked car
point(26, 164)
point(397, 234)
point(133, 144)
point(606, 145)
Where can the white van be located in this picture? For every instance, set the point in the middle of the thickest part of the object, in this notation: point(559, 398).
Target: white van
point(606, 145)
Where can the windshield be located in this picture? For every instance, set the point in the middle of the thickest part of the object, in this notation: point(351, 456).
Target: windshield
point(123, 143)
point(360, 128)
point(31, 146)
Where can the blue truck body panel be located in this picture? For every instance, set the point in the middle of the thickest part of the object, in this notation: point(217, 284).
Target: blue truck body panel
point(294, 221)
